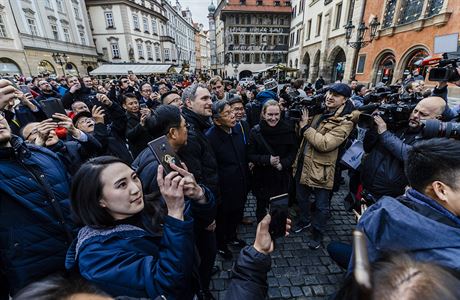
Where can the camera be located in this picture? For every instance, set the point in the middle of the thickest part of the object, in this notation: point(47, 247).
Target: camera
point(314, 105)
point(395, 115)
point(436, 128)
point(445, 71)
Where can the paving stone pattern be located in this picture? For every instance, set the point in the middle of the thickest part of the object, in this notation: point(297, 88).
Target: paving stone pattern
point(297, 272)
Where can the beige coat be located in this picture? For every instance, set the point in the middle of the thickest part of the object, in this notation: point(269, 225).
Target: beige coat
point(322, 149)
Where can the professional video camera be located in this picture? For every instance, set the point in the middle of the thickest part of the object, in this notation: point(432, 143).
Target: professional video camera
point(314, 105)
point(436, 128)
point(446, 69)
point(396, 115)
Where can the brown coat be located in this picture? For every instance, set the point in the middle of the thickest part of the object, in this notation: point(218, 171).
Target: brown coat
point(322, 147)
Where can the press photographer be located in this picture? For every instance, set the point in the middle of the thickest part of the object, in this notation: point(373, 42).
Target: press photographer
point(382, 168)
point(314, 168)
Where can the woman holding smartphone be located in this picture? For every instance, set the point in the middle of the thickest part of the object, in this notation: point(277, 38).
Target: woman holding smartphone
point(272, 149)
point(120, 248)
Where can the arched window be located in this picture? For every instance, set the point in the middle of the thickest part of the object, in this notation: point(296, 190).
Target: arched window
point(389, 13)
point(410, 11)
point(434, 7)
point(385, 69)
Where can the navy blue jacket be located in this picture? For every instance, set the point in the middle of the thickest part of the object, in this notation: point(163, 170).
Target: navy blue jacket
point(232, 166)
point(415, 224)
point(126, 260)
point(35, 225)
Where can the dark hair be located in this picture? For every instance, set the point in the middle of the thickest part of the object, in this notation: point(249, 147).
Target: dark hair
point(58, 287)
point(298, 83)
point(162, 98)
point(125, 97)
point(142, 84)
point(431, 160)
point(163, 118)
point(359, 87)
point(218, 107)
point(86, 192)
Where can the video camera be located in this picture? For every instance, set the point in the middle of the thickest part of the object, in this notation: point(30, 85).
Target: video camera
point(436, 128)
point(396, 115)
point(314, 105)
point(446, 69)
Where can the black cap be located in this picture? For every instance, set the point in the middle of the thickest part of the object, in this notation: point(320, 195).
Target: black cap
point(81, 114)
point(341, 89)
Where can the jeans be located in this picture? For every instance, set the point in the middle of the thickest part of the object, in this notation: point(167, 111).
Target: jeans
point(321, 214)
point(340, 253)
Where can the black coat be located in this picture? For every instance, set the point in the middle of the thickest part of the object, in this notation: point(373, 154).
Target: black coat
point(137, 135)
point(232, 166)
point(198, 154)
point(84, 94)
point(266, 180)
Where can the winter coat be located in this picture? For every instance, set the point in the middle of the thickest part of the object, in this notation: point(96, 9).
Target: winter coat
point(322, 139)
point(249, 276)
point(198, 154)
point(126, 260)
point(35, 223)
point(267, 181)
point(414, 224)
point(232, 166)
point(44, 96)
point(84, 94)
point(137, 135)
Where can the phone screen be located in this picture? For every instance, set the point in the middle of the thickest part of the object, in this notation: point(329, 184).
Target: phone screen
point(51, 106)
point(279, 213)
point(143, 105)
point(24, 88)
point(164, 153)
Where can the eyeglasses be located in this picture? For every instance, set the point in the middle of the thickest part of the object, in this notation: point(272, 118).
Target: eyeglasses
point(34, 131)
point(125, 81)
point(84, 120)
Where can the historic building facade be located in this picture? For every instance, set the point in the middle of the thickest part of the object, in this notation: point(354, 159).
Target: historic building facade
point(296, 40)
point(202, 50)
point(253, 35)
point(406, 35)
point(45, 36)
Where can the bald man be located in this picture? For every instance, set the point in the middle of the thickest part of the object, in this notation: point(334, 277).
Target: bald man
point(382, 171)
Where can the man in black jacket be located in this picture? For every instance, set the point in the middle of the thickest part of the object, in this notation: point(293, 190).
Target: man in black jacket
point(77, 92)
point(201, 162)
point(46, 91)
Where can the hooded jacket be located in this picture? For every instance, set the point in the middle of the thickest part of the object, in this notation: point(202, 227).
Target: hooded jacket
point(414, 224)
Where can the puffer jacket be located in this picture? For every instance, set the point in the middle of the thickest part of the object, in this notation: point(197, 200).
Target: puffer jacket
point(35, 224)
point(126, 260)
point(322, 140)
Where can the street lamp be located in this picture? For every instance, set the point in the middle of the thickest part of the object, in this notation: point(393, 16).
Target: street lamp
point(61, 59)
point(360, 42)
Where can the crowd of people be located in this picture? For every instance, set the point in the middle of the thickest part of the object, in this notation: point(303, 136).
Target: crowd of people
point(88, 207)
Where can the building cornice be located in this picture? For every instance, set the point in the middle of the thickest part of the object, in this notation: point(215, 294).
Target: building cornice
point(109, 3)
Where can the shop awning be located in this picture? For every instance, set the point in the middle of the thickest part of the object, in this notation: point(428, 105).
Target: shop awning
point(138, 69)
point(264, 69)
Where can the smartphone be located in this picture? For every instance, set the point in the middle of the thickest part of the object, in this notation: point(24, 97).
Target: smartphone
point(164, 153)
point(51, 106)
point(143, 105)
point(278, 210)
point(24, 88)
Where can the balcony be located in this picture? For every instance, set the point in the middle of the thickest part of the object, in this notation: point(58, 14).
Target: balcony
point(166, 38)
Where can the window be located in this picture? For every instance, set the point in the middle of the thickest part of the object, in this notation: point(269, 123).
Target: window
point(318, 24)
point(60, 5)
point(361, 62)
point(260, 2)
point(389, 13)
point(115, 50)
point(277, 3)
point(55, 32)
point(157, 53)
point(247, 40)
point(66, 34)
point(136, 22)
point(48, 4)
point(236, 58)
point(145, 22)
point(32, 26)
point(140, 50)
point(149, 52)
point(410, 11)
point(167, 54)
point(154, 27)
point(109, 19)
point(2, 27)
point(257, 58)
point(434, 7)
point(76, 10)
point(236, 39)
point(297, 39)
point(82, 36)
point(308, 30)
point(338, 15)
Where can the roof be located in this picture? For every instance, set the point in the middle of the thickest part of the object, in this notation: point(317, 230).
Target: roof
point(257, 8)
point(138, 69)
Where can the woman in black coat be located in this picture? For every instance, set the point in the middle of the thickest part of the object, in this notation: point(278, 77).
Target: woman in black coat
point(272, 149)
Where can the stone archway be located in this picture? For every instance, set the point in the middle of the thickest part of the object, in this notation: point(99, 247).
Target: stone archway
point(338, 59)
point(315, 68)
point(412, 55)
point(9, 67)
point(71, 69)
point(384, 68)
point(305, 67)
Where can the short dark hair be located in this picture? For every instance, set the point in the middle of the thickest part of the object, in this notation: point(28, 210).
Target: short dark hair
point(163, 118)
point(142, 85)
point(431, 160)
point(162, 98)
point(298, 83)
point(125, 97)
point(359, 87)
point(86, 192)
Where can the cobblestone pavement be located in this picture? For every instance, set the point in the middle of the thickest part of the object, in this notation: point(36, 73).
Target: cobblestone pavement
point(297, 272)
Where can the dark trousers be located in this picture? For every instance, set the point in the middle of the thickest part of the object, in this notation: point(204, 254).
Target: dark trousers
point(226, 225)
point(207, 249)
point(340, 253)
point(262, 207)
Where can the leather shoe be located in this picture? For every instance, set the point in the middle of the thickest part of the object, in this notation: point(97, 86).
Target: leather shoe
point(247, 221)
point(225, 253)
